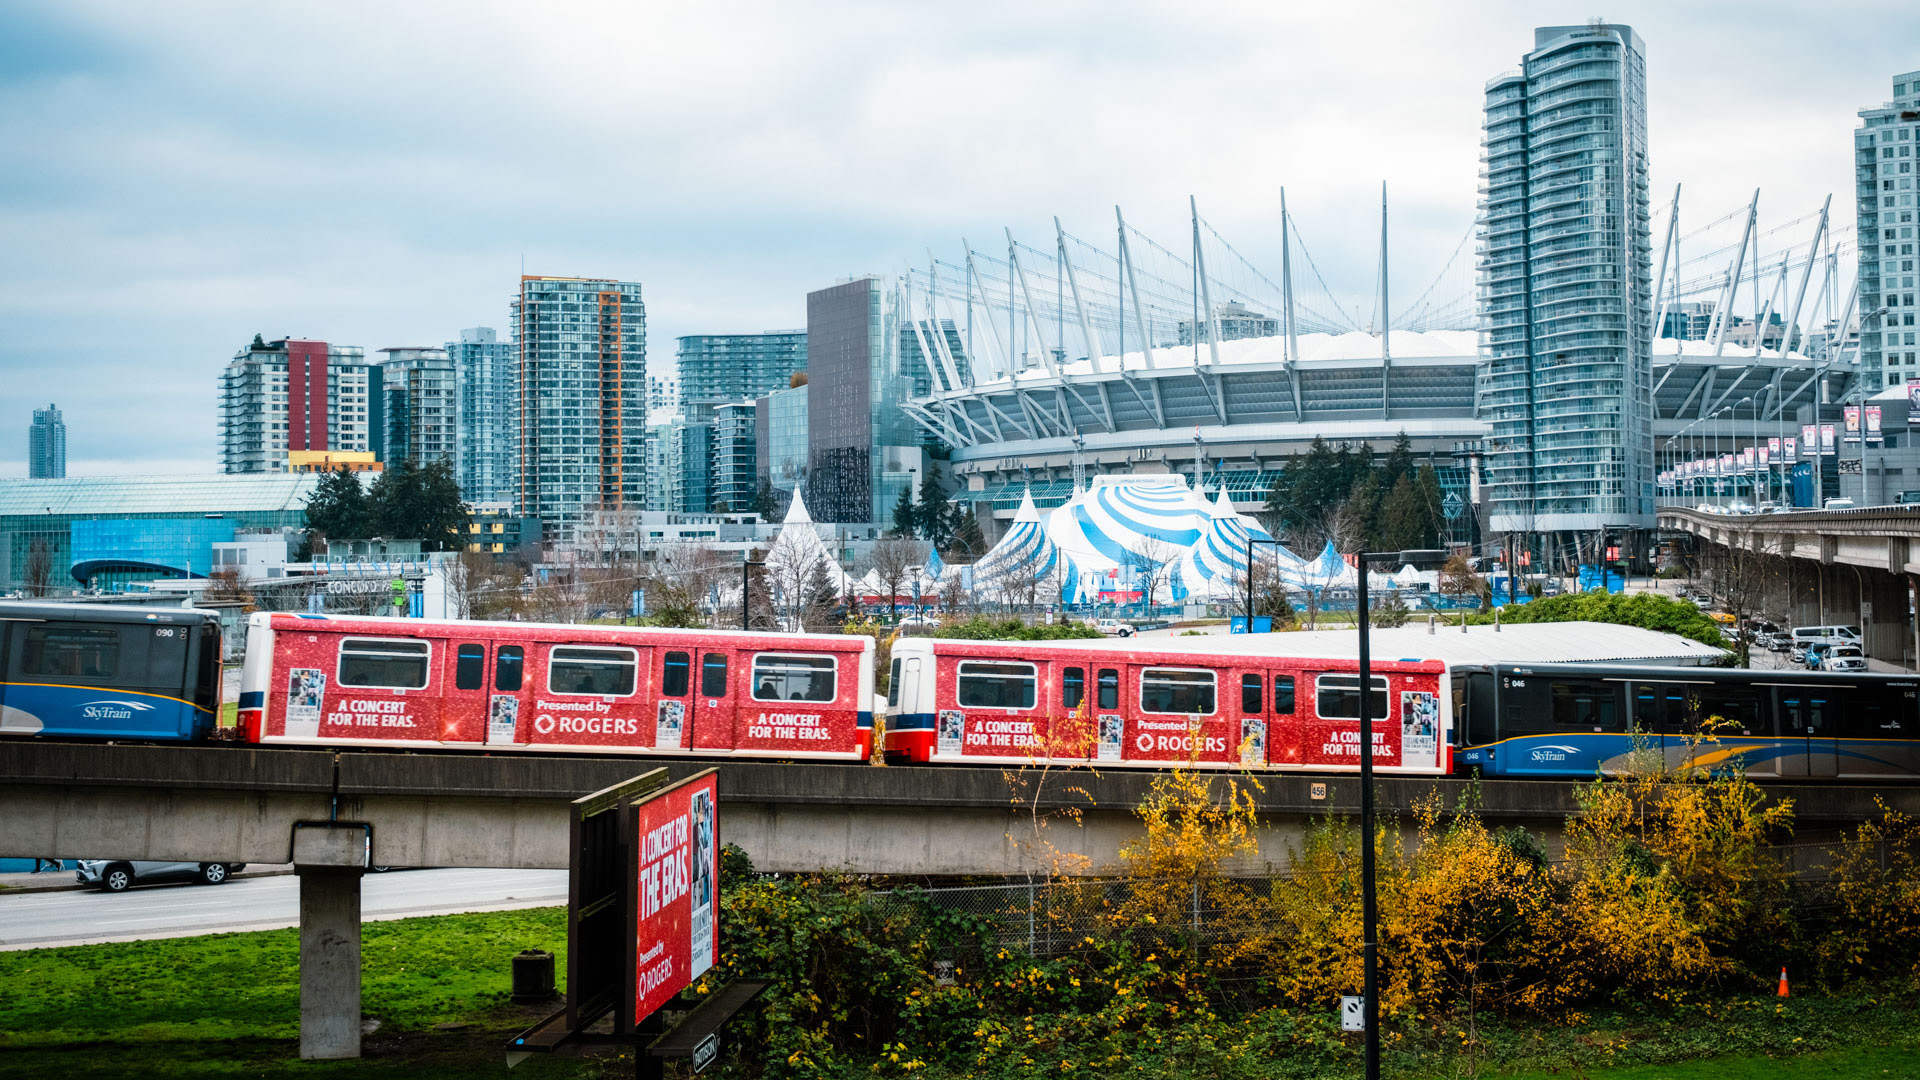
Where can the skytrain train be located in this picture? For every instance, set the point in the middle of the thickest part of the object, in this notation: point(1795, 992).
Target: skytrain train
point(87, 672)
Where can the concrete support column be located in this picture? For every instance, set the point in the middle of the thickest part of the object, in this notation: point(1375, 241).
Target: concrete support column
point(329, 963)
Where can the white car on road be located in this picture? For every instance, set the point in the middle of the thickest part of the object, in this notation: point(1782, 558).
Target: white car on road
point(1114, 628)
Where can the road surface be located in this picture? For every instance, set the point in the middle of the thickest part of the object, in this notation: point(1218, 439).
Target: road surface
point(84, 917)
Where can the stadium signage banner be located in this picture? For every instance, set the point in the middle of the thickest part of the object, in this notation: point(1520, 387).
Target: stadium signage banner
point(675, 875)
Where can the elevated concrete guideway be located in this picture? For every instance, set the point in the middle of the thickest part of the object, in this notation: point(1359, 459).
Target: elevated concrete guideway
point(1854, 567)
point(234, 804)
point(332, 812)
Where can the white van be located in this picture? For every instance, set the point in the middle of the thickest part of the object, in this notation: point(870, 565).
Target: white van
point(1804, 635)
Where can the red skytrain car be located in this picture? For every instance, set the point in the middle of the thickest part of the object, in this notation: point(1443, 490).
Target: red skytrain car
point(364, 681)
point(1219, 702)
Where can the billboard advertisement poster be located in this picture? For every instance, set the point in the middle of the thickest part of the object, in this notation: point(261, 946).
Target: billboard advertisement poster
point(1852, 414)
point(1826, 438)
point(1790, 450)
point(1873, 423)
point(1913, 393)
point(1746, 457)
point(676, 875)
point(1766, 457)
point(1808, 434)
point(1773, 445)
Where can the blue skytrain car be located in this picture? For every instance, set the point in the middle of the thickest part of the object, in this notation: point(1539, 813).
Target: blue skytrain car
point(1578, 720)
point(97, 671)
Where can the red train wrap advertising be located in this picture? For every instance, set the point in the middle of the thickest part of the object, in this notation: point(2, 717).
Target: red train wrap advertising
point(408, 682)
point(676, 894)
point(1152, 705)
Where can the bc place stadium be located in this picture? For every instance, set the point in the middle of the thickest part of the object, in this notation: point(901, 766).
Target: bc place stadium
point(1045, 367)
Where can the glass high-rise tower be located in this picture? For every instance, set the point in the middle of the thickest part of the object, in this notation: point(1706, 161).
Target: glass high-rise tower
point(47, 445)
point(487, 386)
point(581, 347)
point(1564, 285)
point(1887, 158)
point(716, 369)
point(862, 448)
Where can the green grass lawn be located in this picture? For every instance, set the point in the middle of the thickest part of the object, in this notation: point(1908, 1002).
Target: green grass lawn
point(228, 1005)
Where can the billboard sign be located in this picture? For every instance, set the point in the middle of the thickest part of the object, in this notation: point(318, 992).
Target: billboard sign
point(1873, 423)
point(1826, 438)
point(1789, 450)
point(675, 876)
point(1773, 447)
point(1808, 436)
point(1851, 413)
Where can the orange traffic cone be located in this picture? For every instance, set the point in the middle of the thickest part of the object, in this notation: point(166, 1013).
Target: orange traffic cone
point(1783, 982)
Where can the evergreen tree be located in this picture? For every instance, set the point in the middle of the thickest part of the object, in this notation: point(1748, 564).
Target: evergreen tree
point(763, 500)
point(1399, 461)
point(935, 514)
point(409, 503)
point(1426, 483)
point(906, 519)
point(1363, 510)
point(1404, 521)
point(967, 538)
point(338, 507)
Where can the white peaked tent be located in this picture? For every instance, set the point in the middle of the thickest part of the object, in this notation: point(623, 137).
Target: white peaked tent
point(1024, 550)
point(795, 553)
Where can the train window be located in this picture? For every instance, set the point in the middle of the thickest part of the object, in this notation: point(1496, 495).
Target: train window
point(1283, 695)
point(1735, 709)
point(579, 669)
point(1108, 689)
point(781, 677)
point(1250, 694)
point(676, 675)
point(507, 666)
point(1073, 687)
point(713, 675)
point(893, 683)
point(469, 666)
point(1176, 690)
point(1337, 697)
point(384, 662)
point(1584, 706)
point(986, 685)
point(1879, 712)
point(72, 652)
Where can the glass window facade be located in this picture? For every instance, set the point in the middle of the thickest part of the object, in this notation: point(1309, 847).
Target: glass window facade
point(862, 448)
point(581, 349)
point(1564, 285)
point(486, 380)
point(1884, 201)
point(716, 369)
point(109, 531)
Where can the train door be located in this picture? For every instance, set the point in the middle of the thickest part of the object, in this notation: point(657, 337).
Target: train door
point(1283, 731)
point(714, 704)
point(1110, 724)
point(1072, 734)
point(505, 700)
point(674, 713)
point(464, 711)
point(1807, 717)
point(1250, 748)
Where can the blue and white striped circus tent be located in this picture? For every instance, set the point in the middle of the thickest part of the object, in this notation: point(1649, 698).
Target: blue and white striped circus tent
point(1024, 553)
point(1220, 556)
point(1326, 571)
point(1112, 531)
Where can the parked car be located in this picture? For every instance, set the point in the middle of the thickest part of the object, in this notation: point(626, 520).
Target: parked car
point(1114, 628)
point(115, 875)
point(1797, 652)
point(1844, 658)
point(919, 620)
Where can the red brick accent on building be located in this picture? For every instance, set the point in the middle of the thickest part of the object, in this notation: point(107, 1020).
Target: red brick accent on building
point(306, 395)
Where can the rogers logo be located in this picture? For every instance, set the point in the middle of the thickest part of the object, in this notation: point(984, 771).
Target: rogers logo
point(1144, 742)
point(543, 724)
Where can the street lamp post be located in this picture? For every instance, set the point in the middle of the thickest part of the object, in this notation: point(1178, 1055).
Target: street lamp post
point(1252, 541)
point(1369, 921)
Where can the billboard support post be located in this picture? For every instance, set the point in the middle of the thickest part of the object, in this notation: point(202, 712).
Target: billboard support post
point(643, 923)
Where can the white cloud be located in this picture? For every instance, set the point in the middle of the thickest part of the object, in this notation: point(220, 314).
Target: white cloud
point(182, 176)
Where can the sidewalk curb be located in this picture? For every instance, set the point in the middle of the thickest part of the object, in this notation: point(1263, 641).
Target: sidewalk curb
point(70, 885)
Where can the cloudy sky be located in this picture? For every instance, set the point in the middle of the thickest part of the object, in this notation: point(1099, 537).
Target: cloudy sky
point(176, 177)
